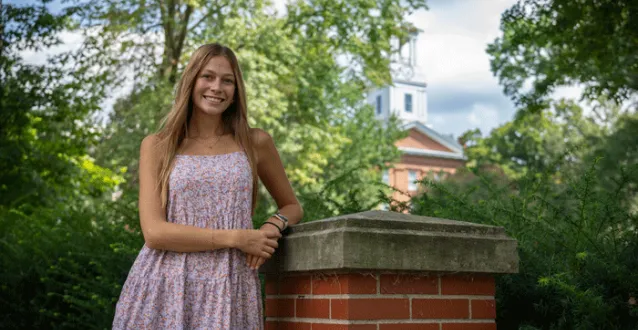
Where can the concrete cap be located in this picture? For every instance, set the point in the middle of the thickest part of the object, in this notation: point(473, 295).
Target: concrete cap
point(380, 240)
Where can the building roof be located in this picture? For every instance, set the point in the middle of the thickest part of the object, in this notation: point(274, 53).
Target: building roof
point(444, 140)
point(432, 153)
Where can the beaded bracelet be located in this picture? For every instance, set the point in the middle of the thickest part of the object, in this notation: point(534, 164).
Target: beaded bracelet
point(268, 222)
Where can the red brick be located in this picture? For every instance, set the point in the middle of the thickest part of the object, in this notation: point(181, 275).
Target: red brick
point(409, 326)
point(483, 309)
point(295, 285)
point(324, 326)
point(280, 325)
point(370, 309)
point(270, 325)
point(313, 308)
point(470, 285)
point(469, 326)
point(272, 285)
point(280, 307)
point(406, 284)
point(344, 284)
point(440, 308)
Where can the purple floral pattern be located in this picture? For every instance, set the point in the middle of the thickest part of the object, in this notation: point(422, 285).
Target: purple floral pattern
point(199, 290)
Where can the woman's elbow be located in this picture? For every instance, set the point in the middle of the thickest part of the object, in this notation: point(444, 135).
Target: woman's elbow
point(152, 239)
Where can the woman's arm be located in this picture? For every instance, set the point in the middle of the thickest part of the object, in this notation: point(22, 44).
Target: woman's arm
point(272, 174)
point(163, 235)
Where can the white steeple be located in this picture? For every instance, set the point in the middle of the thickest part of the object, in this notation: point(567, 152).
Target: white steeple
point(406, 97)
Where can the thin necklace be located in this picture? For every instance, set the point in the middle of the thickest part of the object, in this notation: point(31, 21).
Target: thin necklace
point(205, 142)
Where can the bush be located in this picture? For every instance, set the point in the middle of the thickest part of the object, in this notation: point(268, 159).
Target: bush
point(577, 244)
point(63, 268)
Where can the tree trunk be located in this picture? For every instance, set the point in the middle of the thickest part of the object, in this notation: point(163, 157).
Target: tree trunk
point(175, 25)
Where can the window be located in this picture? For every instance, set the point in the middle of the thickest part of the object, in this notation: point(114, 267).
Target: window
point(412, 180)
point(378, 104)
point(408, 103)
point(386, 177)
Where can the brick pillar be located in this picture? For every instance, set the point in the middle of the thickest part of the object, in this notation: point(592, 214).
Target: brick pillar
point(381, 271)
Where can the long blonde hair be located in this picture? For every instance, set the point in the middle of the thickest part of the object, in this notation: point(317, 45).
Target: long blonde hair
point(175, 126)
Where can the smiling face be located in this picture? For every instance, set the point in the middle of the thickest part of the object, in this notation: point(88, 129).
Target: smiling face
point(214, 88)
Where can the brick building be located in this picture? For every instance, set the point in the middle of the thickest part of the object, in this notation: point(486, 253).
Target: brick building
point(426, 152)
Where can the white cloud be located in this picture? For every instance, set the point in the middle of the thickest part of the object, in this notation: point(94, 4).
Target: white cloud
point(437, 119)
point(568, 92)
point(452, 46)
point(280, 6)
point(463, 93)
point(483, 116)
point(71, 41)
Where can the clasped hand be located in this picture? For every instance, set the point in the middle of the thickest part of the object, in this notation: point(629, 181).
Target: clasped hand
point(259, 245)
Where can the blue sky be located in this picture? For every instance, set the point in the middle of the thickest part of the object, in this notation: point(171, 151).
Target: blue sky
point(462, 92)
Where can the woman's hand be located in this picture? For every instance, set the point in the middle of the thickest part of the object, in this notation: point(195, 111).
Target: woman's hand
point(257, 242)
point(254, 261)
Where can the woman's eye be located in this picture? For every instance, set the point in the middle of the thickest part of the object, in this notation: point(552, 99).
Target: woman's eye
point(228, 81)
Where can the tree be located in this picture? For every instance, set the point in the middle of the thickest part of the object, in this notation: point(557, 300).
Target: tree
point(541, 140)
point(45, 123)
point(561, 42)
point(563, 184)
point(60, 262)
point(299, 88)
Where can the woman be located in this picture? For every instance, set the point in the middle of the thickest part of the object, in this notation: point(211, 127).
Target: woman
point(198, 186)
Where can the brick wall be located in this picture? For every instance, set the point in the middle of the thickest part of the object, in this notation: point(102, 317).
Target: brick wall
point(380, 301)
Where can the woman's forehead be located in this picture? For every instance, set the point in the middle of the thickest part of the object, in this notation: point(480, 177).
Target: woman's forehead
point(218, 64)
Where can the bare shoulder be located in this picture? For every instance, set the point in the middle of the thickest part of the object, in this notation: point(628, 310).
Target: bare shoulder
point(260, 138)
point(150, 141)
point(148, 147)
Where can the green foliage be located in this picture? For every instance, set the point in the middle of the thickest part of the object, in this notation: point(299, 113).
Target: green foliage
point(66, 245)
point(537, 140)
point(575, 225)
point(63, 268)
point(300, 91)
point(561, 42)
point(351, 182)
point(59, 255)
point(45, 125)
point(561, 182)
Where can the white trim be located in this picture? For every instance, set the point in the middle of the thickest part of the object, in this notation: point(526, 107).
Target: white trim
point(434, 135)
point(410, 83)
point(432, 153)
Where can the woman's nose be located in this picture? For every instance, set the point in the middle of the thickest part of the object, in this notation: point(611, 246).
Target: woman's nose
point(216, 84)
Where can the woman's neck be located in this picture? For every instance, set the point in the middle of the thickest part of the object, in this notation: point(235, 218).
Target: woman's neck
point(204, 126)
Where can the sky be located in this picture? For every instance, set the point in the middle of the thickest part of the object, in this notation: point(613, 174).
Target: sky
point(462, 92)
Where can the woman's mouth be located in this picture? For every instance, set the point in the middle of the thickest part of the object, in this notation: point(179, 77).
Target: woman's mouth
point(213, 99)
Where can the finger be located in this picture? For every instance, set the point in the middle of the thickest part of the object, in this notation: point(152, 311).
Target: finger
point(272, 243)
point(273, 234)
point(253, 260)
point(264, 254)
point(260, 262)
point(249, 259)
point(269, 250)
